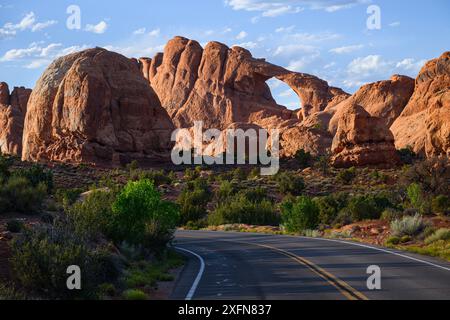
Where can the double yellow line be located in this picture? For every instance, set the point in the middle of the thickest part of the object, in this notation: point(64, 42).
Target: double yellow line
point(348, 291)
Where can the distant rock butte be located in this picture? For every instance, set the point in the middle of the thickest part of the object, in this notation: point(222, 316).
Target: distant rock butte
point(424, 124)
point(95, 106)
point(13, 108)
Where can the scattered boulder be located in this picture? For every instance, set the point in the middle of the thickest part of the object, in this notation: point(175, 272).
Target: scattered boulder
point(95, 107)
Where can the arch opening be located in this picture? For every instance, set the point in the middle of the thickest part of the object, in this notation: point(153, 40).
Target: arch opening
point(283, 94)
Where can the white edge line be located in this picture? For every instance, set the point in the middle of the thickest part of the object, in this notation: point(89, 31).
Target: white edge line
point(383, 250)
point(199, 275)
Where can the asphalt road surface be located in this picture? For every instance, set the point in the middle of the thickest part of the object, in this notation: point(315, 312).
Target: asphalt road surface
point(241, 266)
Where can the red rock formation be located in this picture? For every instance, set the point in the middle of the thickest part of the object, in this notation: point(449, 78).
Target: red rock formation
point(221, 85)
point(362, 140)
point(94, 106)
point(383, 99)
point(12, 114)
point(424, 124)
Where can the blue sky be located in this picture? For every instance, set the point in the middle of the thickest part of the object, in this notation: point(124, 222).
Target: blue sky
point(327, 38)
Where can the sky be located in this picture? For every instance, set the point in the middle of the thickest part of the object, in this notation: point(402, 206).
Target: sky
point(345, 42)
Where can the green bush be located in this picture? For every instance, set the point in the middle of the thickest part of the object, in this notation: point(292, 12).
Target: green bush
point(409, 226)
point(347, 176)
point(93, 217)
point(441, 204)
point(415, 195)
point(37, 175)
point(329, 207)
point(441, 234)
point(246, 207)
point(42, 254)
point(392, 241)
point(300, 214)
point(193, 200)
point(17, 194)
point(290, 183)
point(139, 215)
point(158, 177)
point(390, 215)
point(134, 294)
point(68, 197)
point(303, 158)
point(225, 191)
point(14, 226)
point(5, 164)
point(239, 174)
point(365, 207)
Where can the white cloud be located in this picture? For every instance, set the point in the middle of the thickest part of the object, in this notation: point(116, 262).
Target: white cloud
point(139, 31)
point(43, 25)
point(38, 55)
point(28, 22)
point(98, 28)
point(287, 93)
point(285, 29)
point(410, 64)
point(367, 65)
point(294, 49)
point(394, 24)
point(242, 35)
point(329, 65)
point(155, 32)
point(275, 8)
point(347, 49)
point(247, 45)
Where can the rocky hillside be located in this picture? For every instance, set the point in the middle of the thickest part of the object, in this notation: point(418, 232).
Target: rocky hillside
point(99, 107)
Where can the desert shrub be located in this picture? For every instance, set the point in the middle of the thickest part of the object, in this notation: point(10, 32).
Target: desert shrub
point(303, 158)
point(134, 294)
point(226, 190)
point(441, 204)
point(347, 176)
point(158, 177)
point(378, 176)
point(17, 194)
point(5, 164)
point(410, 226)
point(300, 214)
point(415, 195)
point(311, 233)
point(290, 183)
point(9, 292)
point(37, 175)
point(392, 241)
point(365, 207)
point(407, 155)
point(239, 174)
point(441, 234)
point(139, 214)
point(432, 175)
point(193, 200)
point(245, 208)
point(329, 207)
point(190, 174)
point(42, 254)
point(257, 194)
point(68, 197)
point(254, 173)
point(93, 217)
point(323, 163)
point(391, 214)
point(14, 226)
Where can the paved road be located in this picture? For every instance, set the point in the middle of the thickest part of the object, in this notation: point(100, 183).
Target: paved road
point(245, 266)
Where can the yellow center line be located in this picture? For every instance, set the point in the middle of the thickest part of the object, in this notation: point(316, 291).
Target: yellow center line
point(343, 287)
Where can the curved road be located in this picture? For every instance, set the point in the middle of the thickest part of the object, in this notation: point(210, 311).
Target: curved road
point(241, 266)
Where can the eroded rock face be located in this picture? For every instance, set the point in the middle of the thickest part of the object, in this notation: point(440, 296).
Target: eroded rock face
point(382, 99)
point(362, 140)
point(424, 124)
point(220, 85)
point(12, 114)
point(95, 106)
